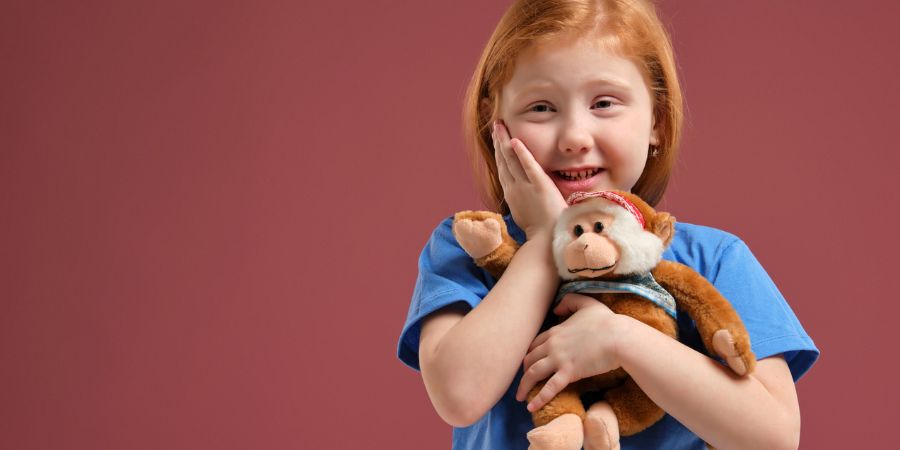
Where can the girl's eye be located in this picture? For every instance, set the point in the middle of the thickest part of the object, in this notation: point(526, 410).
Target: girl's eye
point(598, 227)
point(540, 107)
point(603, 104)
point(578, 230)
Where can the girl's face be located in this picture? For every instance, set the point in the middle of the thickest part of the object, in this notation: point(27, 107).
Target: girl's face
point(585, 113)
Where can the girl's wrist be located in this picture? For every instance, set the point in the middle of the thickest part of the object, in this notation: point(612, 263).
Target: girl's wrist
point(539, 234)
point(536, 251)
point(539, 240)
point(625, 330)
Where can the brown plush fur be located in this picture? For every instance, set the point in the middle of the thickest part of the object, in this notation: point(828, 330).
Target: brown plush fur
point(710, 310)
point(495, 262)
point(693, 294)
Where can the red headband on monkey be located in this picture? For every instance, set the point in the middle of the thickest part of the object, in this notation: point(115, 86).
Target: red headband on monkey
point(578, 197)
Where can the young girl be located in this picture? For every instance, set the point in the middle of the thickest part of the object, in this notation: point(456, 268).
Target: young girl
point(582, 95)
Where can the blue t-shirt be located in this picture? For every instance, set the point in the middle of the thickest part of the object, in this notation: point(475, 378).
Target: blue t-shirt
point(448, 275)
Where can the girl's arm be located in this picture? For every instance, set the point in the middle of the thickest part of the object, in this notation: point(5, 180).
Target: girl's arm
point(469, 361)
point(757, 411)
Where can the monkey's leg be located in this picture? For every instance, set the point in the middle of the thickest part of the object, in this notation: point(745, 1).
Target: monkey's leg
point(483, 235)
point(719, 325)
point(601, 428)
point(634, 410)
point(558, 424)
point(567, 401)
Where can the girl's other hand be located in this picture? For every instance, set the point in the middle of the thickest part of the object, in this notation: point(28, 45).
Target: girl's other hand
point(533, 199)
point(582, 346)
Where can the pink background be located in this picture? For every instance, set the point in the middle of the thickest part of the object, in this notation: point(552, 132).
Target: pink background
point(212, 211)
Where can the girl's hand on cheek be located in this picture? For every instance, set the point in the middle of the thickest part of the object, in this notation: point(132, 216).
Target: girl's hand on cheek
point(582, 346)
point(533, 199)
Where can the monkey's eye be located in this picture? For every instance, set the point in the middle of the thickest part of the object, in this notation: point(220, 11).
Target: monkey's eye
point(578, 230)
point(598, 227)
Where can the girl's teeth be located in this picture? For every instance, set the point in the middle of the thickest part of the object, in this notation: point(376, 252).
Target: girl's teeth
point(580, 175)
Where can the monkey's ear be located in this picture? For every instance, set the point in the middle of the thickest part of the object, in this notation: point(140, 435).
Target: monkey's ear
point(663, 225)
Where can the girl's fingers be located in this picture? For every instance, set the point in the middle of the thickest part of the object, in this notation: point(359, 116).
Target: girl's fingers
point(531, 169)
point(537, 372)
point(534, 355)
point(512, 160)
point(554, 386)
point(502, 169)
point(571, 303)
point(539, 340)
point(502, 172)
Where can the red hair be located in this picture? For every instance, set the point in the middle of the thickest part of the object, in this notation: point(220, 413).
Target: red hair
point(629, 27)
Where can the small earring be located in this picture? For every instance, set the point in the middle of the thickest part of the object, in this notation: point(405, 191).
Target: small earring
point(654, 151)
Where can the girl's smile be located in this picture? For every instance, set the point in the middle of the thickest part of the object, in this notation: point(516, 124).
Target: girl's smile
point(577, 179)
point(583, 111)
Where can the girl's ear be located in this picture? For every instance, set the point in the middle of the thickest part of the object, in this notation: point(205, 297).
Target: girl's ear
point(485, 106)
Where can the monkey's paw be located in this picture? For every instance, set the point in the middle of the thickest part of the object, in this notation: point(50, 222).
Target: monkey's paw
point(478, 232)
point(742, 362)
point(601, 428)
point(562, 433)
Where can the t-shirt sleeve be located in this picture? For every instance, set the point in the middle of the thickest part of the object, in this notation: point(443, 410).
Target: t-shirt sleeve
point(772, 325)
point(447, 275)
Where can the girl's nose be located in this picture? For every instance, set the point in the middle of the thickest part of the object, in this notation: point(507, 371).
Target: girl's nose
point(575, 137)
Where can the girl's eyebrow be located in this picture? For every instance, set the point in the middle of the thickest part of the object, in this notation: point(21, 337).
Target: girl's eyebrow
point(595, 83)
point(608, 82)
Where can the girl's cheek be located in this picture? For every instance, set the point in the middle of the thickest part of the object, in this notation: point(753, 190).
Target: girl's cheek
point(534, 137)
point(538, 149)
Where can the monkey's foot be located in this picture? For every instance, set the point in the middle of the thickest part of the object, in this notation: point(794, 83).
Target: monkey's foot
point(562, 433)
point(478, 232)
point(724, 345)
point(601, 428)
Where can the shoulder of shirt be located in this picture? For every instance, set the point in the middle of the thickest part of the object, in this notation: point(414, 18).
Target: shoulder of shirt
point(699, 245)
point(703, 233)
point(444, 231)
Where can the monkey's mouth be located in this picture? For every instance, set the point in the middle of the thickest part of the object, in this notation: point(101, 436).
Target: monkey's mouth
point(592, 269)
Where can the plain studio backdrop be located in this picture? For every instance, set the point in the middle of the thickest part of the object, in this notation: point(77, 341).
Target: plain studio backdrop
point(212, 211)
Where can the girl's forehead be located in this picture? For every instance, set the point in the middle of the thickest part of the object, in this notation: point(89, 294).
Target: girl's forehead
point(572, 63)
point(606, 43)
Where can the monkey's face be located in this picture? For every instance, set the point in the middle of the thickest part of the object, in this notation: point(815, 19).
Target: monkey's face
point(591, 253)
point(597, 236)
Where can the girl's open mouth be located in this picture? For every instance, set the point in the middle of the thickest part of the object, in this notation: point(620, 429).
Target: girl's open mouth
point(578, 180)
point(576, 175)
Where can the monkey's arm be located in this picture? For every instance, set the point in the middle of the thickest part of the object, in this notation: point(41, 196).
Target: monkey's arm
point(483, 235)
point(720, 327)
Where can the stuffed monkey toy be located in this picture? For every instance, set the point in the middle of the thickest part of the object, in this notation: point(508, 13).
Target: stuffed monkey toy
point(609, 245)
